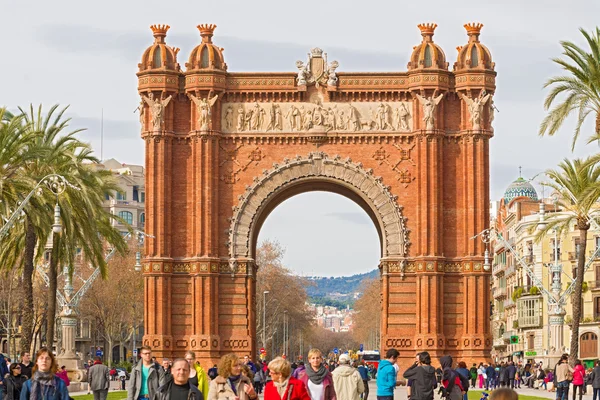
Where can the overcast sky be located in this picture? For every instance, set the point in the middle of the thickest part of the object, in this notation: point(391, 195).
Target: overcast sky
point(86, 53)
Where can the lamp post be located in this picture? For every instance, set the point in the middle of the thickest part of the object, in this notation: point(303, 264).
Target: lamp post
point(285, 332)
point(264, 330)
point(57, 184)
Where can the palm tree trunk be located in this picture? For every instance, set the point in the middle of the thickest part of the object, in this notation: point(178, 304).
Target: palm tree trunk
point(576, 297)
point(52, 289)
point(28, 270)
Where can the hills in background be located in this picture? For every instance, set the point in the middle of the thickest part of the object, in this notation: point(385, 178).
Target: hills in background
point(339, 292)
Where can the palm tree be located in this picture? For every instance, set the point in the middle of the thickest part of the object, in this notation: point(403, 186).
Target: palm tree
point(577, 187)
point(581, 86)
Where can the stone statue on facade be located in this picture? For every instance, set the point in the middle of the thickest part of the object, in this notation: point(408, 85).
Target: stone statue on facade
point(157, 108)
point(332, 78)
point(302, 73)
point(429, 105)
point(492, 112)
point(203, 107)
point(142, 110)
point(475, 107)
point(275, 121)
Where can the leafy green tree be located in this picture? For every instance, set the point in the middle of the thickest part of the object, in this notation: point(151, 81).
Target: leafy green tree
point(577, 187)
point(581, 86)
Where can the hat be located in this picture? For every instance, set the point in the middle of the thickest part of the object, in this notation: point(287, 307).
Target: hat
point(344, 359)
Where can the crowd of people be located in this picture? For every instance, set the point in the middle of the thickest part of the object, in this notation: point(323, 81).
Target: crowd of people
point(235, 378)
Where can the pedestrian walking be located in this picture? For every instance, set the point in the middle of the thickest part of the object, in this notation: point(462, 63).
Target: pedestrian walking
point(44, 384)
point(423, 378)
point(473, 374)
point(347, 381)
point(595, 381)
point(578, 379)
point(146, 377)
point(481, 375)
point(464, 372)
point(316, 378)
point(64, 375)
point(563, 375)
point(26, 364)
point(14, 382)
point(490, 373)
point(502, 375)
point(364, 374)
point(386, 375)
point(454, 385)
point(230, 383)
point(99, 379)
point(197, 377)
point(511, 373)
point(178, 386)
point(282, 386)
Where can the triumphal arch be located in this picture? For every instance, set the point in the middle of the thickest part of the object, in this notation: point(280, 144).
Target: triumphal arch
point(223, 149)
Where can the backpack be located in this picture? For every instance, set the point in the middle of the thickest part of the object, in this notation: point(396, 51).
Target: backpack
point(464, 381)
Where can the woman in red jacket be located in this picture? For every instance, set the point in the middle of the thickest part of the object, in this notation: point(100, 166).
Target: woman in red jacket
point(578, 379)
point(284, 387)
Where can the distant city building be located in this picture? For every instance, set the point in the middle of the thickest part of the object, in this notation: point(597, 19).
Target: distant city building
point(332, 318)
point(522, 326)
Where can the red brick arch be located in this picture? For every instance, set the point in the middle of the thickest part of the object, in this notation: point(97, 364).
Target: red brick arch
point(317, 170)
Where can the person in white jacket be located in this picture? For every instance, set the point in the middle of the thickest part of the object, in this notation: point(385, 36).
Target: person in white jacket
point(347, 382)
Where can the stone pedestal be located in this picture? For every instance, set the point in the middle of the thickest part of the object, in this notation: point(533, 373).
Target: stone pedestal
point(67, 356)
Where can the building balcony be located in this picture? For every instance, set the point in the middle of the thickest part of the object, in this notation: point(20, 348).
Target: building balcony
point(529, 259)
point(508, 302)
point(573, 255)
point(506, 335)
point(498, 269)
point(500, 342)
point(498, 316)
point(510, 270)
point(530, 312)
point(498, 292)
point(591, 253)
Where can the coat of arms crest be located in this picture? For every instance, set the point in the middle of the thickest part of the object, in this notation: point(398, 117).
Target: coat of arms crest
point(317, 70)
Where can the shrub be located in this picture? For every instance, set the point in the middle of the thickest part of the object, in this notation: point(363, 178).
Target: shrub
point(534, 291)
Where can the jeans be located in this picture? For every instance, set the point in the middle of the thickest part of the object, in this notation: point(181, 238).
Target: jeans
point(489, 383)
point(366, 393)
point(385, 397)
point(596, 393)
point(562, 390)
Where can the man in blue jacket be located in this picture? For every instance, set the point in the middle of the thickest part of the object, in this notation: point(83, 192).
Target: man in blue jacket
point(386, 376)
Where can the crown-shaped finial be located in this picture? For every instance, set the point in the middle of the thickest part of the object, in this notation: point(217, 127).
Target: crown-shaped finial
point(206, 31)
point(159, 31)
point(427, 29)
point(473, 28)
point(316, 52)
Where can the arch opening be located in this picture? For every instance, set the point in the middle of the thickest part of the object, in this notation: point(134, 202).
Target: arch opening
point(317, 172)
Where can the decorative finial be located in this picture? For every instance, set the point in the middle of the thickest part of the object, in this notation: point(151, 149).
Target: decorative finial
point(520, 175)
point(159, 31)
point(427, 29)
point(206, 31)
point(459, 48)
point(473, 29)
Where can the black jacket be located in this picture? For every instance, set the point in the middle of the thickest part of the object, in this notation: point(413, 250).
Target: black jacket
point(424, 381)
point(511, 371)
point(595, 377)
point(164, 392)
point(14, 384)
point(502, 375)
point(490, 372)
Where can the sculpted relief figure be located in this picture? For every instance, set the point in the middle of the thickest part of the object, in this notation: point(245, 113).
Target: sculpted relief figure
point(401, 115)
point(203, 107)
point(241, 119)
point(475, 107)
point(229, 118)
point(354, 122)
point(382, 117)
point(429, 105)
point(157, 108)
point(492, 112)
point(275, 120)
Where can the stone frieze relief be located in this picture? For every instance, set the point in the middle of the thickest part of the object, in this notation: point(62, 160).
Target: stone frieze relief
point(309, 117)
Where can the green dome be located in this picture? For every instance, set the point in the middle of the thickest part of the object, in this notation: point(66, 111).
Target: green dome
point(520, 188)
